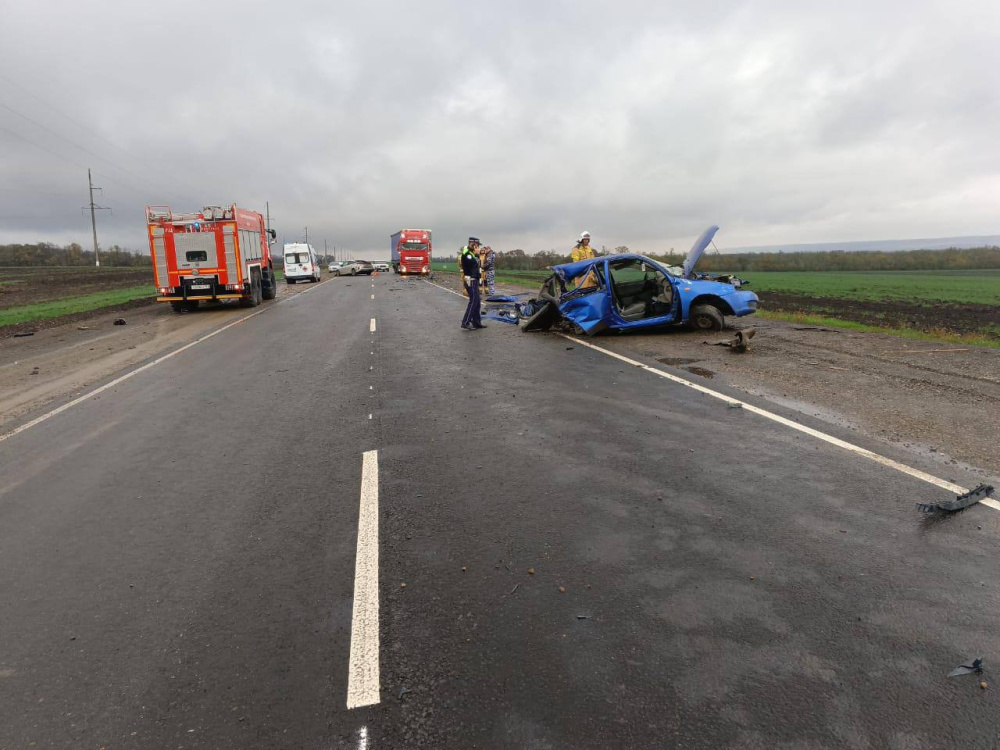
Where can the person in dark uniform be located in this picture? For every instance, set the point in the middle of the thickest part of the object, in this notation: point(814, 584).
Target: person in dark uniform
point(470, 278)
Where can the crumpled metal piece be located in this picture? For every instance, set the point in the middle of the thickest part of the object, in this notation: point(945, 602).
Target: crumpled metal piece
point(960, 502)
point(741, 342)
point(975, 668)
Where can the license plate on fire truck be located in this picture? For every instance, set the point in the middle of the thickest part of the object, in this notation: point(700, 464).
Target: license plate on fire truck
point(201, 286)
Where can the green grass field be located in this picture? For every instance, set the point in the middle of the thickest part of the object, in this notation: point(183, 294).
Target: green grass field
point(71, 305)
point(921, 287)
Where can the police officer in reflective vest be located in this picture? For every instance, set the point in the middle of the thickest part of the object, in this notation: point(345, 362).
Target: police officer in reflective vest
point(470, 278)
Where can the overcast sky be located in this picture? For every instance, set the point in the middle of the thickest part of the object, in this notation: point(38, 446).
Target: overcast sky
point(521, 122)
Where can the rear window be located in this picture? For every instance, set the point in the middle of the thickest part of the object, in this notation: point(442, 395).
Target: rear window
point(297, 258)
point(196, 256)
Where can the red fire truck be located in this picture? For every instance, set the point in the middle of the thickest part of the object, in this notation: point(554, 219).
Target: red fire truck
point(411, 251)
point(216, 254)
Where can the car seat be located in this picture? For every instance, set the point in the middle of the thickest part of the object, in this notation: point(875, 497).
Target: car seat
point(634, 311)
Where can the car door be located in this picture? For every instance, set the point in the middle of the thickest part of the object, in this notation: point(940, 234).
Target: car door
point(642, 294)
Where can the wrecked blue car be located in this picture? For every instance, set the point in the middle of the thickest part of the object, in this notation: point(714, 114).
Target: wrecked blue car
point(630, 292)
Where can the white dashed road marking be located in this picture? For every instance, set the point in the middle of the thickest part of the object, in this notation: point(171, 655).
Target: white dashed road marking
point(363, 672)
point(856, 449)
point(371, 326)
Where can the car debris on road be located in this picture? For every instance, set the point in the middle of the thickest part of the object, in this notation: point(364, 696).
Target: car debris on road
point(740, 342)
point(963, 669)
point(960, 502)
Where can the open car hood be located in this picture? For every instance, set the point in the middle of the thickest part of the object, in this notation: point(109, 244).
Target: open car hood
point(703, 241)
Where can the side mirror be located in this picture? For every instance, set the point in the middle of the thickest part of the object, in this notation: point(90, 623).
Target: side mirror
point(274, 234)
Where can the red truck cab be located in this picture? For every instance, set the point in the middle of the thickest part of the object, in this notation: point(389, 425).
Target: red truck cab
point(411, 251)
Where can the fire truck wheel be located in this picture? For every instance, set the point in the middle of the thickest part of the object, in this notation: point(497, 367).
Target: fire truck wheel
point(270, 291)
point(255, 293)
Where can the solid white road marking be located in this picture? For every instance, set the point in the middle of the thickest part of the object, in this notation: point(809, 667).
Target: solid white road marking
point(371, 326)
point(121, 379)
point(856, 449)
point(883, 460)
point(363, 672)
point(363, 738)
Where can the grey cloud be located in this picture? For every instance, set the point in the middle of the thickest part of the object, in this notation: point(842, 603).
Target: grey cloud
point(520, 122)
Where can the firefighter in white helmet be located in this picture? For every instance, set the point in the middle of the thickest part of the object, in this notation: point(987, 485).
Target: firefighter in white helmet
point(583, 250)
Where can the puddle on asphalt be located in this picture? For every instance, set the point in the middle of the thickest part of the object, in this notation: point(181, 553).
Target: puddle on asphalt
point(701, 371)
point(676, 361)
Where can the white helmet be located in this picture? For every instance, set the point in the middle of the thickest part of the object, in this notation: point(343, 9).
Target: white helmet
point(585, 235)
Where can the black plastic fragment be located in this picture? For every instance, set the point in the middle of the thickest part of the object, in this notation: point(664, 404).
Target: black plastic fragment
point(960, 502)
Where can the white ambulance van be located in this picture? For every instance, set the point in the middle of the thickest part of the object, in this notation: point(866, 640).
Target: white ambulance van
point(301, 263)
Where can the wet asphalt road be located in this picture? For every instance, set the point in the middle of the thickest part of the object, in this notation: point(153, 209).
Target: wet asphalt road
point(177, 555)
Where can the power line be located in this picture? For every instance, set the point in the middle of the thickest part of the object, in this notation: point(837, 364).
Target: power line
point(116, 180)
point(71, 142)
point(88, 129)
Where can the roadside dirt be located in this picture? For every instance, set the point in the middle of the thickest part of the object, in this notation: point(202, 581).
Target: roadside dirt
point(62, 360)
point(941, 401)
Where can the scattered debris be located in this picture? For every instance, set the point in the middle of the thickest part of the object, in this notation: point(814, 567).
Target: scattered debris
point(562, 589)
point(516, 586)
point(403, 691)
point(568, 348)
point(531, 571)
point(815, 328)
point(402, 585)
point(24, 335)
point(119, 321)
point(735, 405)
point(975, 668)
point(83, 328)
point(583, 617)
point(464, 568)
point(741, 342)
point(960, 502)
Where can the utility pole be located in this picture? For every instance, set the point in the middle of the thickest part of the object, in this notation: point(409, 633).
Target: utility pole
point(326, 252)
point(307, 235)
point(267, 208)
point(93, 218)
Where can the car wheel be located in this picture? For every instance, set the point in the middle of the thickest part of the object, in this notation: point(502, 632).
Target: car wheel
point(354, 272)
point(706, 318)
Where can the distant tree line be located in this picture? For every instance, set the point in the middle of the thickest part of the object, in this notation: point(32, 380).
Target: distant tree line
point(47, 254)
point(952, 259)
